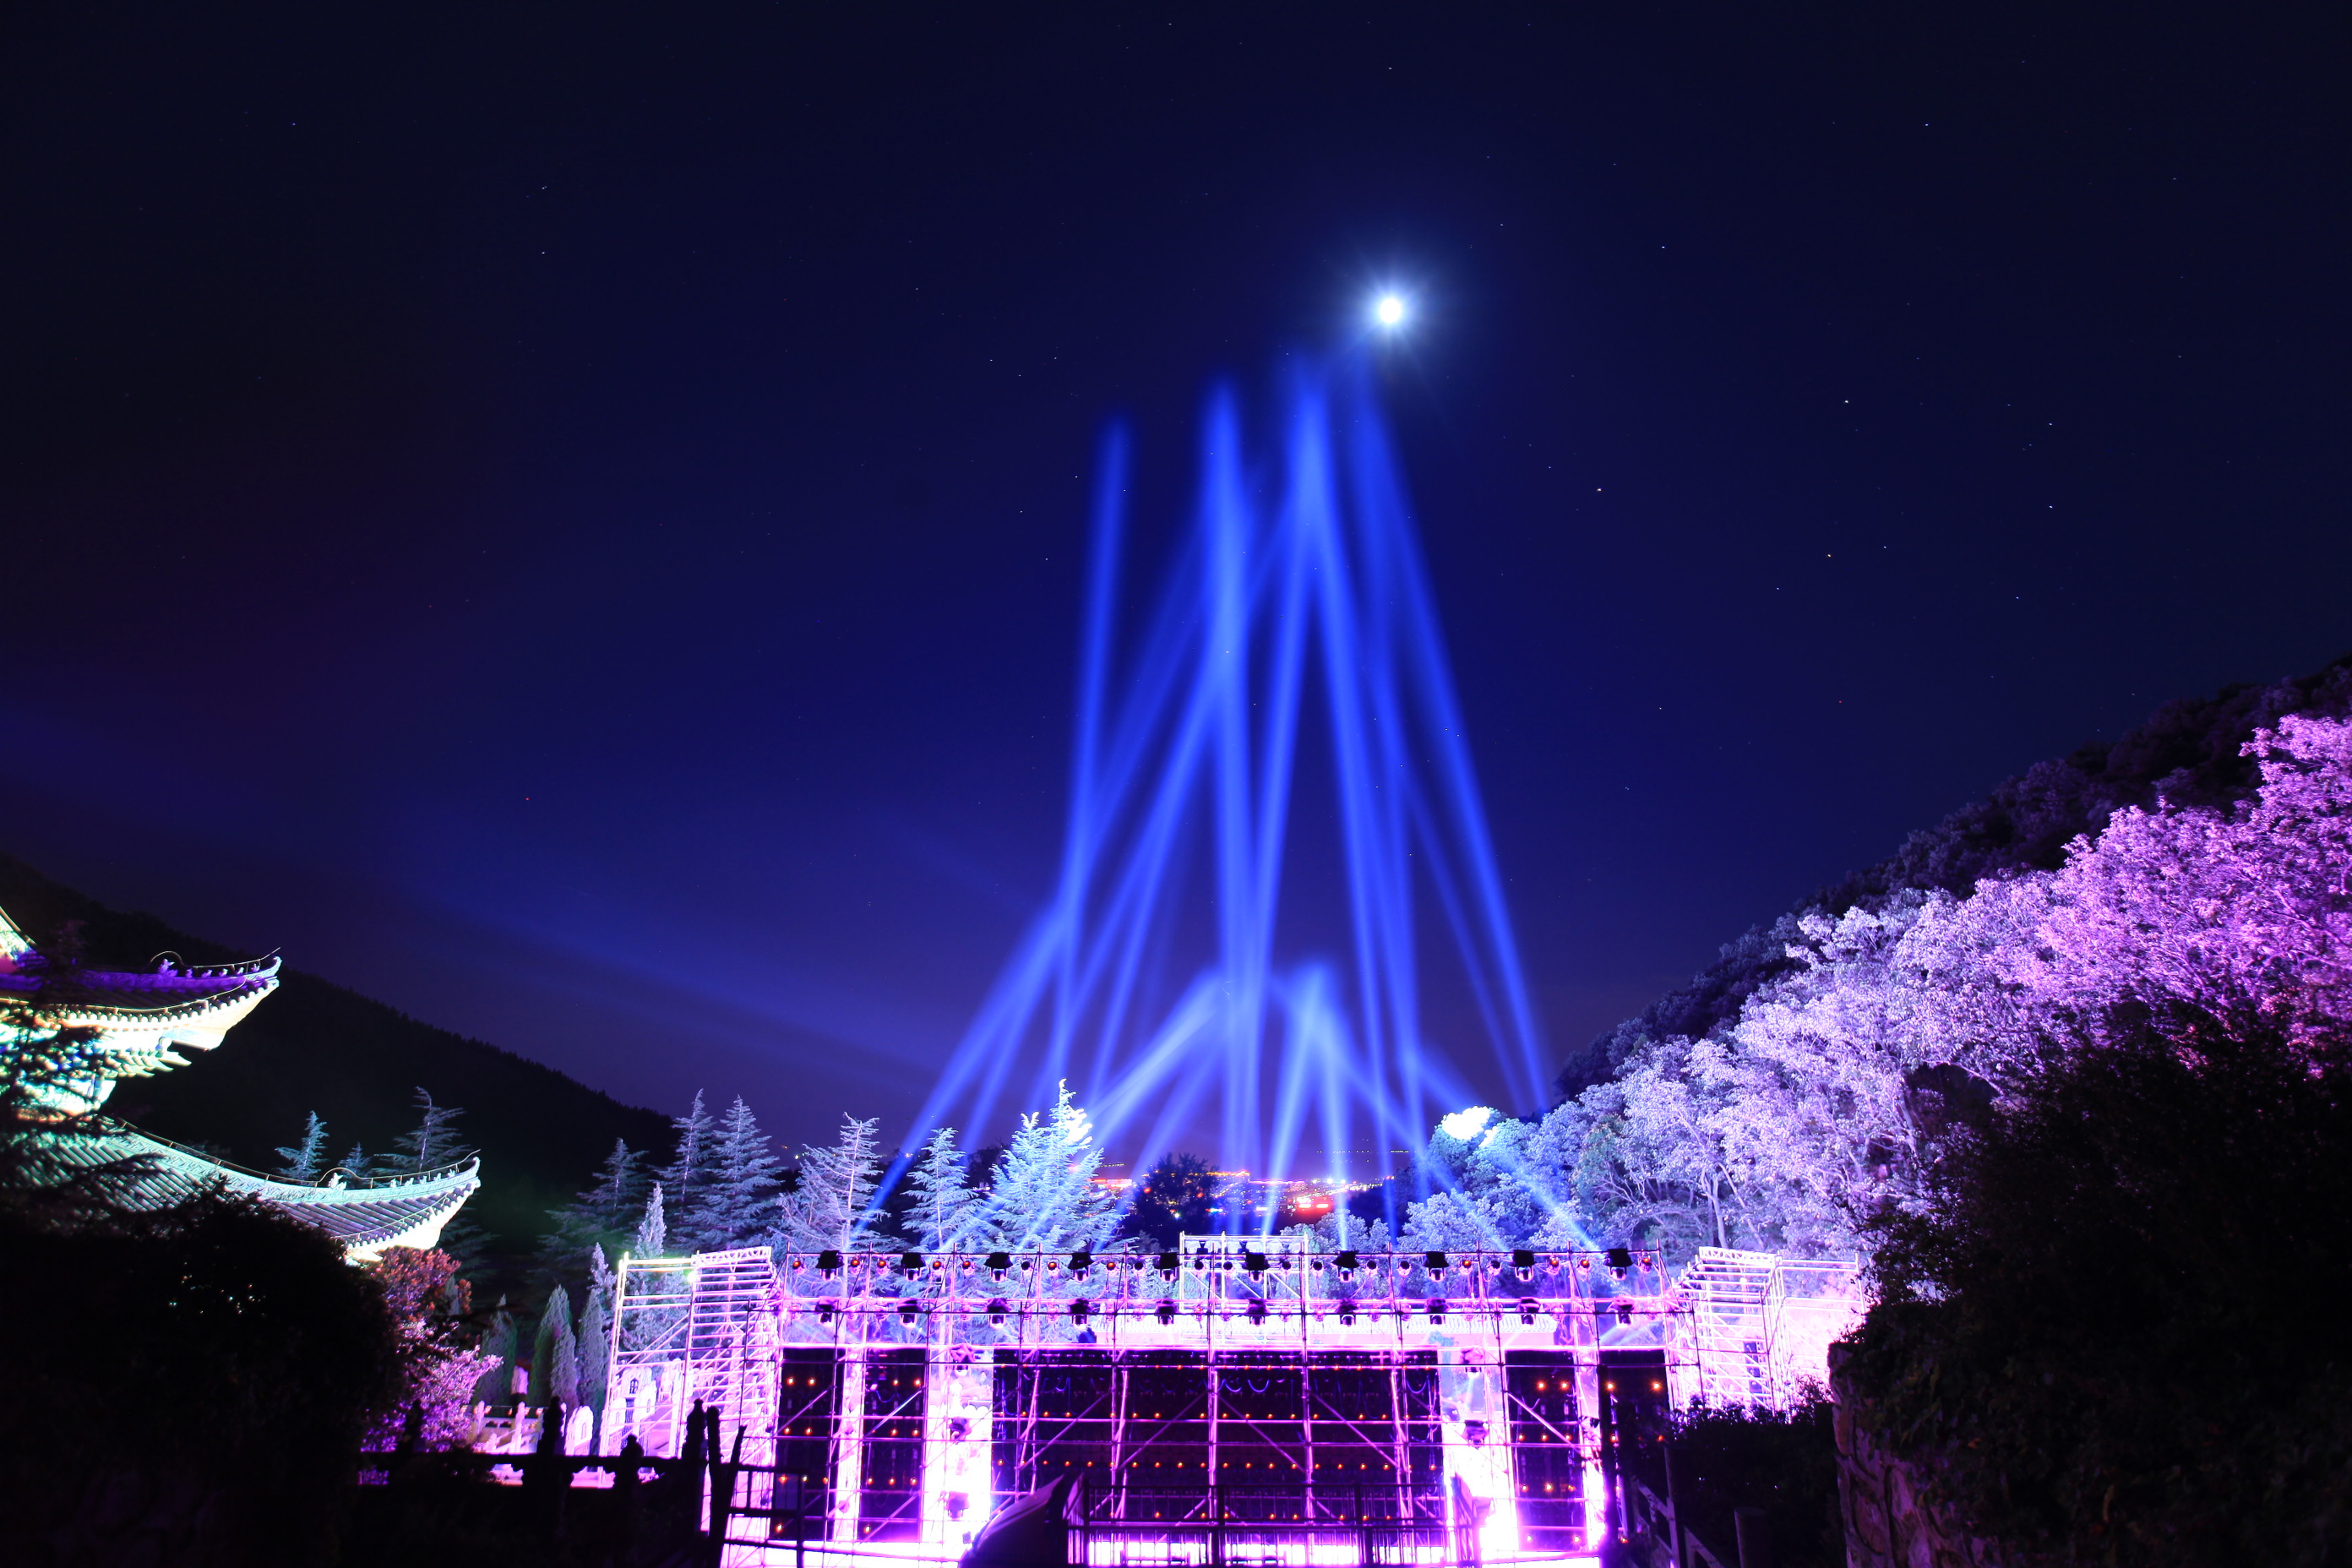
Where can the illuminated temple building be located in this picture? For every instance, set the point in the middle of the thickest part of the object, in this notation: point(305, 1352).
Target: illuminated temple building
point(1234, 1400)
point(141, 1024)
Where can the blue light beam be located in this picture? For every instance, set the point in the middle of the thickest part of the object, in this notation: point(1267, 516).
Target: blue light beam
point(1303, 568)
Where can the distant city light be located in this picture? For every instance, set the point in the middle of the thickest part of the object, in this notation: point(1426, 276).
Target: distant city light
point(1389, 309)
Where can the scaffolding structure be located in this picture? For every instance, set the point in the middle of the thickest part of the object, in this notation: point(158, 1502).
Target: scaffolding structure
point(1226, 1400)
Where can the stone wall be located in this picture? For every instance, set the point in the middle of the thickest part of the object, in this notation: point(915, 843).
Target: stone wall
point(1889, 1520)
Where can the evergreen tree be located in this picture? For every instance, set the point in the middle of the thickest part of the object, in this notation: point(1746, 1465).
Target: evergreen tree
point(943, 1212)
point(435, 1143)
point(1044, 1195)
point(555, 1355)
point(358, 1164)
point(604, 1214)
point(829, 1210)
point(737, 1207)
point(653, 1230)
point(307, 1161)
point(596, 1349)
point(688, 1171)
point(464, 1239)
point(503, 1340)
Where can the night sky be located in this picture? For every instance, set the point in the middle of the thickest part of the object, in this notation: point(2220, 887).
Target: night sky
point(567, 518)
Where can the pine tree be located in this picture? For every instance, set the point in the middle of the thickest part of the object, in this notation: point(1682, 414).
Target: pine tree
point(829, 1211)
point(604, 1214)
point(739, 1204)
point(653, 1230)
point(1045, 1195)
point(307, 1161)
point(595, 1351)
point(358, 1165)
point(944, 1210)
point(689, 1169)
point(435, 1143)
point(504, 1341)
point(555, 1355)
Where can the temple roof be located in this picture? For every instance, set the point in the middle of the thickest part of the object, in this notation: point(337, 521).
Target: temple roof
point(141, 1019)
point(364, 1216)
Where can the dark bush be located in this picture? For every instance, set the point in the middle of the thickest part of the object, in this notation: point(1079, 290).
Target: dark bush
point(1782, 1462)
point(2118, 1335)
point(188, 1386)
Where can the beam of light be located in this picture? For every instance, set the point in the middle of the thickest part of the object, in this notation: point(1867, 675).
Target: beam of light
point(1161, 991)
point(1390, 310)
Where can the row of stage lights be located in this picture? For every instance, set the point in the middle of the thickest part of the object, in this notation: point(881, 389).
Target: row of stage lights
point(1619, 1261)
point(1166, 1312)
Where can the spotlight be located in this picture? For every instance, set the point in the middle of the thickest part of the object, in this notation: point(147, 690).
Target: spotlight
point(996, 1310)
point(1257, 1314)
point(1081, 1260)
point(1254, 1262)
point(828, 1263)
point(1435, 1263)
point(1390, 310)
point(1348, 1314)
point(1525, 1262)
point(1166, 1313)
point(1527, 1310)
point(999, 1262)
point(907, 1316)
point(911, 1264)
point(959, 1429)
point(1079, 1310)
point(1347, 1264)
point(1476, 1431)
point(1437, 1309)
point(1167, 1264)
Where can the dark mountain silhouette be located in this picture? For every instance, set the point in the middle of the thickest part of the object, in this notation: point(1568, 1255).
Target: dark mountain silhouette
point(315, 1046)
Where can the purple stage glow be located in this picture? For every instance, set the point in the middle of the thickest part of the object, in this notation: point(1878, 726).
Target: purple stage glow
point(1300, 568)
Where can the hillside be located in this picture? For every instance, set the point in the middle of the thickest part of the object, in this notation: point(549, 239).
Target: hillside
point(315, 1046)
point(2187, 752)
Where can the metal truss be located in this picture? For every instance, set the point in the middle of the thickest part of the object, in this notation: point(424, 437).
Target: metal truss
point(1215, 1395)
